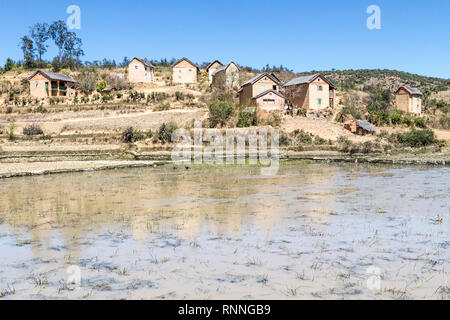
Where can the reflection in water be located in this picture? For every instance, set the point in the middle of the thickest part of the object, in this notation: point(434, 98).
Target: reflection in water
point(327, 220)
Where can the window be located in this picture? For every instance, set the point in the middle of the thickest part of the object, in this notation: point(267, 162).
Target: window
point(319, 88)
point(319, 101)
point(136, 67)
point(274, 87)
point(262, 89)
point(269, 101)
point(36, 83)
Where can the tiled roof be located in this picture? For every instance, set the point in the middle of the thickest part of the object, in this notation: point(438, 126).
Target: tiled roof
point(145, 62)
point(413, 91)
point(53, 76)
point(185, 59)
point(306, 79)
point(265, 74)
point(209, 65)
point(266, 92)
point(224, 67)
point(365, 125)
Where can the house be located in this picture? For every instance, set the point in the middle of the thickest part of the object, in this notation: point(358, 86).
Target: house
point(212, 67)
point(310, 92)
point(409, 99)
point(140, 71)
point(185, 71)
point(257, 85)
point(226, 76)
point(360, 127)
point(45, 84)
point(269, 100)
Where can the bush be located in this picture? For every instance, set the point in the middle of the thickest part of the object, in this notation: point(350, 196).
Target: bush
point(130, 135)
point(284, 139)
point(162, 107)
point(165, 132)
point(87, 81)
point(32, 130)
point(107, 97)
point(11, 135)
point(320, 141)
point(305, 138)
point(301, 112)
point(396, 118)
point(345, 145)
point(220, 112)
point(101, 85)
point(274, 120)
point(179, 95)
point(416, 138)
point(444, 122)
point(247, 117)
point(420, 123)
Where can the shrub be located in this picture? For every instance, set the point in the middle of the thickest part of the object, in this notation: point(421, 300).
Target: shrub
point(11, 135)
point(107, 97)
point(130, 135)
point(444, 122)
point(220, 112)
point(274, 120)
point(165, 132)
point(320, 141)
point(345, 145)
point(420, 123)
point(40, 109)
point(46, 137)
point(284, 139)
point(162, 107)
point(416, 138)
point(179, 95)
point(248, 116)
point(407, 120)
point(101, 85)
point(367, 147)
point(32, 130)
point(305, 138)
point(396, 118)
point(87, 81)
point(301, 112)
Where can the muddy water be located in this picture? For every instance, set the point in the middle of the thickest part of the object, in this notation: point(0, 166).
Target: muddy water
point(312, 231)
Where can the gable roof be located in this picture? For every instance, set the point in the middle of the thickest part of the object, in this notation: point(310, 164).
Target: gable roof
point(145, 62)
point(268, 91)
point(365, 125)
point(53, 76)
point(271, 76)
point(413, 91)
point(308, 79)
point(185, 59)
point(224, 67)
point(209, 65)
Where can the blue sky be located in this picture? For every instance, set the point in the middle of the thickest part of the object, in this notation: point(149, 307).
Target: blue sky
point(300, 35)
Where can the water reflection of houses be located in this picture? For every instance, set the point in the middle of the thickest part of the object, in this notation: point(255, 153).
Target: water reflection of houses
point(220, 201)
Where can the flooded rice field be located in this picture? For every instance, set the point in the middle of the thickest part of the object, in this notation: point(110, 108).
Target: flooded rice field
point(312, 231)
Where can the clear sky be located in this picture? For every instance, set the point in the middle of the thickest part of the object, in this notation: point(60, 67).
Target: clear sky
point(300, 35)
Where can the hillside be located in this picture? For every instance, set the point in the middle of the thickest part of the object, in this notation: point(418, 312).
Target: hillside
point(364, 79)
